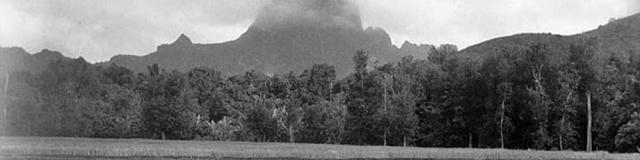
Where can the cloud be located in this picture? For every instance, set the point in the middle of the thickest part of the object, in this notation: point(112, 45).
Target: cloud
point(467, 22)
point(312, 13)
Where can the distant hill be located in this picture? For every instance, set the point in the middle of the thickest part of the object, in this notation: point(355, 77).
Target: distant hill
point(17, 59)
point(282, 40)
point(617, 38)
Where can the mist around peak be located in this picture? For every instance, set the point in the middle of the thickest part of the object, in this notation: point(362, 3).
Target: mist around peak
point(279, 14)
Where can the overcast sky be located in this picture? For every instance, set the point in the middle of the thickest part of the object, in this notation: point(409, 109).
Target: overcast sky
point(99, 29)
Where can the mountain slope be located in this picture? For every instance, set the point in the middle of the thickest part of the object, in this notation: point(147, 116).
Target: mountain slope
point(17, 59)
point(617, 38)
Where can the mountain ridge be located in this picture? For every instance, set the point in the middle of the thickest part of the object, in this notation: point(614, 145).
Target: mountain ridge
point(280, 41)
point(17, 59)
point(619, 38)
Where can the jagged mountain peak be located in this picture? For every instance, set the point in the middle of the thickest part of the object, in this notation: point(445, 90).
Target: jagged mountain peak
point(183, 39)
point(419, 51)
point(49, 54)
point(406, 44)
point(179, 44)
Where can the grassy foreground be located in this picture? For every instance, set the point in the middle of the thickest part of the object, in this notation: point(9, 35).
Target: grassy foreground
point(83, 148)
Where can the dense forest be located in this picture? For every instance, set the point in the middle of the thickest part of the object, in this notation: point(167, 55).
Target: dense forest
point(519, 98)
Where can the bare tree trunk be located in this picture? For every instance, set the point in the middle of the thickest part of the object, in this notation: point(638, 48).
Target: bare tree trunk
point(330, 90)
point(291, 136)
point(5, 103)
point(502, 124)
point(28, 127)
point(6, 96)
point(560, 133)
point(385, 137)
point(589, 143)
point(386, 128)
point(562, 121)
point(470, 140)
point(404, 141)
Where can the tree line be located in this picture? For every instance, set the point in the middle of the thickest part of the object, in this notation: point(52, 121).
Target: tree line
point(519, 98)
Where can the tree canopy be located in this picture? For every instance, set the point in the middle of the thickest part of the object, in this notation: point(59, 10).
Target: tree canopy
point(518, 98)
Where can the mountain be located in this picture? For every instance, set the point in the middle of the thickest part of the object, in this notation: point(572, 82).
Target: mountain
point(17, 59)
point(291, 35)
point(287, 35)
point(619, 38)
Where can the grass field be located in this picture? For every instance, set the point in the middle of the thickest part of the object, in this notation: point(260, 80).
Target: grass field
point(89, 148)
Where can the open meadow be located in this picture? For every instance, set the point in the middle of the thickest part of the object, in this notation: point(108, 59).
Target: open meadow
point(90, 148)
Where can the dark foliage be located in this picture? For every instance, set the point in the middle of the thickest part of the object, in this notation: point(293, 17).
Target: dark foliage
point(518, 98)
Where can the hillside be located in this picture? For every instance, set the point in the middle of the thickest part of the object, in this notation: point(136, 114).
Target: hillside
point(617, 38)
point(17, 59)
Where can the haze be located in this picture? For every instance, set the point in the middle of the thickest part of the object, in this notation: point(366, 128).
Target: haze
point(97, 30)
